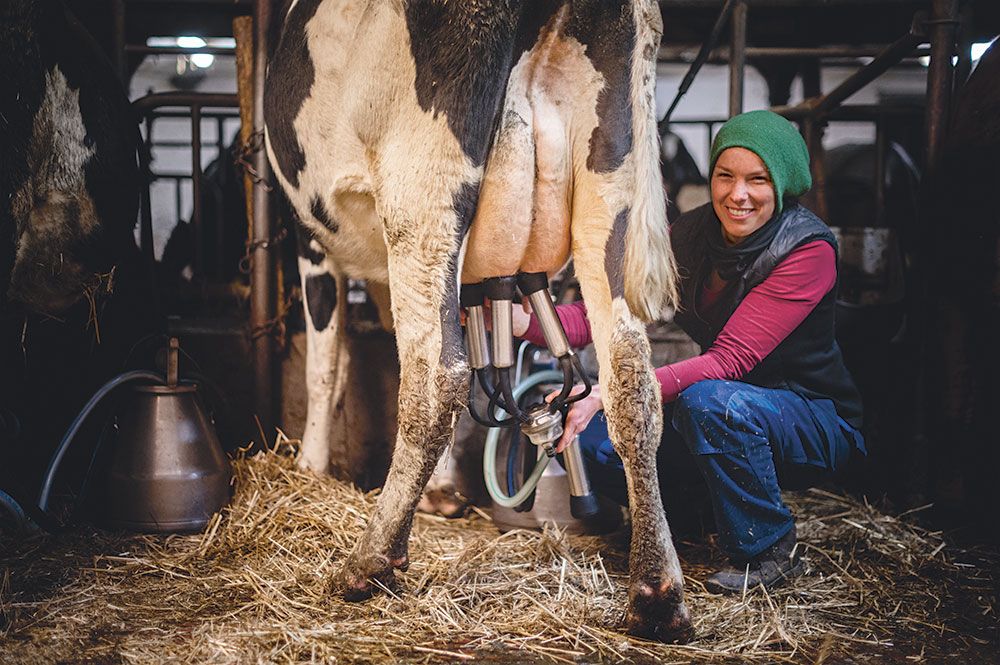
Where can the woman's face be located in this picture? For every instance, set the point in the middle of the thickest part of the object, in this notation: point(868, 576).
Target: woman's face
point(742, 193)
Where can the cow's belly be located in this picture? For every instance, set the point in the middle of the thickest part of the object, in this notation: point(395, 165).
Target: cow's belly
point(349, 232)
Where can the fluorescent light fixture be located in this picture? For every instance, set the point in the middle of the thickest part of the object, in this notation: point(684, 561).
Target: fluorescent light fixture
point(190, 42)
point(979, 49)
point(976, 52)
point(202, 60)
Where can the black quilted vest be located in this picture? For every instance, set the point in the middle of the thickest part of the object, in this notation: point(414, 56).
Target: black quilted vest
point(808, 361)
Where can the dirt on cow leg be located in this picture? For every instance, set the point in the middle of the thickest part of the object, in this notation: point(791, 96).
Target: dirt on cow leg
point(425, 428)
point(656, 608)
point(659, 613)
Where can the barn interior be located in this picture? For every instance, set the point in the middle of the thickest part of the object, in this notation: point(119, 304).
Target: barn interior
point(899, 104)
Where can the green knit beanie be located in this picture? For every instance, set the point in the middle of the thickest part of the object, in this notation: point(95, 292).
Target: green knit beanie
point(776, 142)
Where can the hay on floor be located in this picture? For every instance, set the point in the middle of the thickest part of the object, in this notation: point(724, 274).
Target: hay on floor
point(253, 588)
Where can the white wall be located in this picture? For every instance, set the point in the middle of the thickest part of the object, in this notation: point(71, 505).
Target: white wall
point(154, 75)
point(708, 98)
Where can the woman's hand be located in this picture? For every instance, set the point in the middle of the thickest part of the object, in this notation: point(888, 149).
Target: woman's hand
point(579, 414)
point(520, 318)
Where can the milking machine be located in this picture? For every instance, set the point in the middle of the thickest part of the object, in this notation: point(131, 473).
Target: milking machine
point(541, 422)
point(167, 471)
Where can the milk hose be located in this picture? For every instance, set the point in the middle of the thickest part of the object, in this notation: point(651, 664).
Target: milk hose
point(493, 437)
point(50, 473)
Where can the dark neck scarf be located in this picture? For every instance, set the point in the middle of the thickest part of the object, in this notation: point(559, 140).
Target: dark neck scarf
point(731, 261)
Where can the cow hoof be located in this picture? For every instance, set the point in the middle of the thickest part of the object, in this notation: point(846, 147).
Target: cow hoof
point(362, 579)
point(318, 464)
point(657, 612)
point(445, 501)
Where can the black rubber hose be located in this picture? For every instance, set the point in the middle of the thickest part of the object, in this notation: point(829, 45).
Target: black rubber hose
point(508, 396)
point(512, 450)
point(583, 377)
point(102, 392)
point(472, 404)
point(495, 402)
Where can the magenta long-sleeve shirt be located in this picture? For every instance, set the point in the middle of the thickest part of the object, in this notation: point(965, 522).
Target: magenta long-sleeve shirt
point(764, 318)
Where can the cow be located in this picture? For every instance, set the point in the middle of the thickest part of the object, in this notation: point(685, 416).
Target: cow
point(69, 196)
point(428, 143)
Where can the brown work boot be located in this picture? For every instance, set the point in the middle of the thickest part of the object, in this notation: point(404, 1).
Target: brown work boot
point(771, 568)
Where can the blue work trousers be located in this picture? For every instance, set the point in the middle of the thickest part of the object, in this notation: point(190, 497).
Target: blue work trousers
point(748, 442)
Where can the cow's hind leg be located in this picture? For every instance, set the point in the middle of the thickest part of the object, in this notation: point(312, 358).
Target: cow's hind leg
point(423, 254)
point(326, 358)
point(656, 608)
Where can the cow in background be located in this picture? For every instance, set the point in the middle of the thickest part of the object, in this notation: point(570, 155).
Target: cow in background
point(686, 187)
point(223, 226)
point(69, 192)
point(402, 133)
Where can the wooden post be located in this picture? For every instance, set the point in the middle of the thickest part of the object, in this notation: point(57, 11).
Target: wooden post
point(243, 32)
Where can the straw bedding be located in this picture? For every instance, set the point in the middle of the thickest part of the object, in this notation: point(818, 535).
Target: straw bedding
point(252, 588)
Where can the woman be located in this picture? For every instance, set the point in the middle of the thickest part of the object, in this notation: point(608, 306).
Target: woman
point(769, 402)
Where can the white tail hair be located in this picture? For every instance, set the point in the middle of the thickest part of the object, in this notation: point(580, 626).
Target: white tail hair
point(650, 269)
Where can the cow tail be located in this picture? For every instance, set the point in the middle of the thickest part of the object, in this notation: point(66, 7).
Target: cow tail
point(650, 269)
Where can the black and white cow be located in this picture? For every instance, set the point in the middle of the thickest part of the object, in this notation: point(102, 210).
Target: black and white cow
point(424, 143)
point(69, 174)
point(69, 194)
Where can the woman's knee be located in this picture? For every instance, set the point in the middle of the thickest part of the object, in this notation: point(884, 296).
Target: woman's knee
point(704, 416)
point(701, 399)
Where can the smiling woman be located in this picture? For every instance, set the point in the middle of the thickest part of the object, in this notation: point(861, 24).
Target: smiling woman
point(742, 193)
point(769, 398)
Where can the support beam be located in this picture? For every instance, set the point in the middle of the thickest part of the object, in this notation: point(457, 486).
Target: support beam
point(118, 30)
point(737, 64)
point(262, 296)
point(889, 57)
point(884, 61)
point(940, 75)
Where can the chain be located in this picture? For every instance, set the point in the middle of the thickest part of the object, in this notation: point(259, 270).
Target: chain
point(275, 327)
point(242, 157)
point(247, 261)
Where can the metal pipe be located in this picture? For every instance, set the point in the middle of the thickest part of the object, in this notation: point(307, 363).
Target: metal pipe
point(262, 297)
point(721, 54)
point(503, 338)
point(851, 113)
point(552, 329)
point(179, 50)
point(939, 87)
point(940, 74)
point(118, 28)
point(235, 4)
point(881, 159)
point(168, 113)
point(146, 229)
point(816, 197)
point(220, 204)
point(146, 218)
point(158, 100)
point(713, 39)
point(198, 258)
point(475, 332)
point(737, 63)
point(797, 4)
point(890, 56)
point(965, 39)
